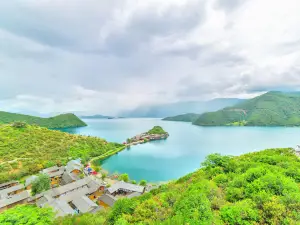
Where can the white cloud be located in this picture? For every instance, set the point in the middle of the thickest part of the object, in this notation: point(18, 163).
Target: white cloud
point(105, 56)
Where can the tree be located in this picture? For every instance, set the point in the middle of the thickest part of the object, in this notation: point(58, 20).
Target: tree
point(133, 182)
point(124, 177)
point(27, 215)
point(40, 184)
point(143, 182)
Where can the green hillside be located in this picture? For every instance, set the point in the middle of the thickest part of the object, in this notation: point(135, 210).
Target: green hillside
point(27, 150)
point(60, 121)
point(189, 117)
point(270, 109)
point(256, 188)
point(157, 130)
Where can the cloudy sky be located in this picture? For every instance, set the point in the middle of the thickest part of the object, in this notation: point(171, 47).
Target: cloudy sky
point(108, 55)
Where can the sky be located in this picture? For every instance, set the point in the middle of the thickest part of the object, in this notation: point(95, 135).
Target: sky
point(112, 55)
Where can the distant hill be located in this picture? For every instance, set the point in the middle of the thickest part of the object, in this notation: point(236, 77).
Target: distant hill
point(60, 121)
point(178, 108)
point(270, 109)
point(189, 117)
point(97, 117)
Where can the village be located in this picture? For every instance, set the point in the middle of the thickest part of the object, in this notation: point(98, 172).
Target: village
point(74, 189)
point(144, 138)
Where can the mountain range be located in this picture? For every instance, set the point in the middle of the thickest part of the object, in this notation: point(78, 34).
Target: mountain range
point(172, 109)
point(270, 109)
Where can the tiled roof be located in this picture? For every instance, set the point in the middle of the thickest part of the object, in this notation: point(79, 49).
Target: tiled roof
point(68, 187)
point(8, 183)
point(61, 208)
point(5, 192)
point(30, 180)
point(84, 204)
point(107, 199)
point(14, 198)
point(125, 186)
point(50, 169)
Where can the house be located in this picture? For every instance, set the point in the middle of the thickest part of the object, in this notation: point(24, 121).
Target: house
point(29, 181)
point(106, 200)
point(123, 188)
point(72, 171)
point(83, 204)
point(297, 150)
point(73, 197)
point(55, 173)
point(11, 191)
point(96, 187)
point(13, 200)
point(8, 184)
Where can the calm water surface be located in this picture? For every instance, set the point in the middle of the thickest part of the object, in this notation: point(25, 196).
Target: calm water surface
point(186, 147)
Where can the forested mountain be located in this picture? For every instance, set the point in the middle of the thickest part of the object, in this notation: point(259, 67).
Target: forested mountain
point(189, 117)
point(256, 188)
point(60, 121)
point(26, 149)
point(270, 109)
point(173, 109)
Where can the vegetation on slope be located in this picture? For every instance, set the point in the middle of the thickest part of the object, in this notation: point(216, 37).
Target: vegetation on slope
point(157, 130)
point(29, 149)
point(256, 188)
point(270, 109)
point(60, 121)
point(189, 117)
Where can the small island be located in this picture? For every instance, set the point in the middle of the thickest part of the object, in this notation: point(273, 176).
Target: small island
point(156, 133)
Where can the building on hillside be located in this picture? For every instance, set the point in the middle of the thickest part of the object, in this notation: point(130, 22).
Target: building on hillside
point(107, 200)
point(75, 195)
point(55, 173)
point(8, 184)
point(11, 191)
point(123, 188)
point(297, 149)
point(29, 181)
point(96, 187)
point(13, 200)
point(83, 204)
point(72, 171)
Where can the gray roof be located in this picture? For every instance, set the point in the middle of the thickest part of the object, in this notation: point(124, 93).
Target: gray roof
point(107, 199)
point(134, 194)
point(14, 199)
point(67, 178)
point(61, 208)
point(30, 180)
point(8, 183)
point(74, 194)
point(74, 165)
point(50, 169)
point(125, 186)
point(36, 197)
point(93, 184)
point(84, 204)
point(5, 192)
point(68, 187)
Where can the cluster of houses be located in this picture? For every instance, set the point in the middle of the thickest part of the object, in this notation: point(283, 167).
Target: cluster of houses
point(72, 192)
point(149, 137)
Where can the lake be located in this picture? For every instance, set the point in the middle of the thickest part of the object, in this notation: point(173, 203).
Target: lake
point(186, 147)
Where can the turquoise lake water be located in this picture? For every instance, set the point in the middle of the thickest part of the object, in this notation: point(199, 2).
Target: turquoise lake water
point(186, 147)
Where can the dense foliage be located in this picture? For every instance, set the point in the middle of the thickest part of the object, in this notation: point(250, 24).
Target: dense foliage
point(60, 121)
point(27, 150)
point(270, 109)
point(40, 184)
point(27, 215)
point(157, 130)
point(189, 117)
point(256, 188)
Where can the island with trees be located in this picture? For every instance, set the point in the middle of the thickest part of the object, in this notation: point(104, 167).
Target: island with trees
point(156, 133)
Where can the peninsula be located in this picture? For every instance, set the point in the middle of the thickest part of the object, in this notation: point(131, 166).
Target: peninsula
point(156, 133)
